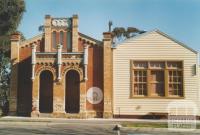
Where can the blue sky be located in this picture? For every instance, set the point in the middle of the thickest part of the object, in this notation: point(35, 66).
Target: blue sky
point(178, 18)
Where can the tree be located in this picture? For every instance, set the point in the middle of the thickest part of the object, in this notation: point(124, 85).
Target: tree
point(11, 12)
point(120, 33)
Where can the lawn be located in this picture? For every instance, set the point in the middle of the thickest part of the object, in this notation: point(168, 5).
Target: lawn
point(149, 125)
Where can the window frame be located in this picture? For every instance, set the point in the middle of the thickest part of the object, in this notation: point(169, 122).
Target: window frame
point(166, 79)
point(133, 83)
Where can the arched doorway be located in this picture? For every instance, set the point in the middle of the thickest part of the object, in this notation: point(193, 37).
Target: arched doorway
point(72, 92)
point(46, 92)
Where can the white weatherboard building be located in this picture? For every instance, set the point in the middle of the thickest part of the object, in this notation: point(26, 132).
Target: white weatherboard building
point(150, 71)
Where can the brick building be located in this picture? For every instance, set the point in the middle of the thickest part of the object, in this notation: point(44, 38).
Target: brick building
point(64, 73)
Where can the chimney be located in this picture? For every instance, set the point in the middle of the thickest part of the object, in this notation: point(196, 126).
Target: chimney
point(15, 41)
point(107, 74)
point(75, 33)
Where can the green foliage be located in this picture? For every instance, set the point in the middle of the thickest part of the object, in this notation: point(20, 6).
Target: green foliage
point(121, 33)
point(11, 12)
point(4, 74)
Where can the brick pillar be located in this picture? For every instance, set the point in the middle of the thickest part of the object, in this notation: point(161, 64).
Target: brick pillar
point(82, 99)
point(35, 97)
point(15, 42)
point(107, 74)
point(59, 98)
point(75, 33)
point(47, 31)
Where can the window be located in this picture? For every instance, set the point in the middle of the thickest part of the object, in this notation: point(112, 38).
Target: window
point(140, 79)
point(175, 79)
point(69, 43)
point(61, 37)
point(140, 82)
point(157, 79)
point(54, 40)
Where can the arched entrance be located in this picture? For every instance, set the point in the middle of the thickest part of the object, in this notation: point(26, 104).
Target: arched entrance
point(72, 92)
point(46, 92)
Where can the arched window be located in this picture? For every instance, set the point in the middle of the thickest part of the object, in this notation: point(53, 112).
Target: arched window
point(69, 43)
point(54, 40)
point(61, 38)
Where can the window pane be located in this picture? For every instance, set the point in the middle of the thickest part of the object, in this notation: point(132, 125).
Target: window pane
point(175, 83)
point(140, 80)
point(155, 64)
point(174, 65)
point(140, 64)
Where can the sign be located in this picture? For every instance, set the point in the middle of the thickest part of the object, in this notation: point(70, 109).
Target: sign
point(94, 95)
point(182, 115)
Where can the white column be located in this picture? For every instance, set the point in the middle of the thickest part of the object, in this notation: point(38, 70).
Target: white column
point(85, 61)
point(59, 60)
point(33, 62)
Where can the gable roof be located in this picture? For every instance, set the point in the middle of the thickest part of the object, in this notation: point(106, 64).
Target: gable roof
point(31, 40)
point(159, 32)
point(88, 38)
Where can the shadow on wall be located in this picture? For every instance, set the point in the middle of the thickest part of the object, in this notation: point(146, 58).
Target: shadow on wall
point(24, 93)
point(98, 75)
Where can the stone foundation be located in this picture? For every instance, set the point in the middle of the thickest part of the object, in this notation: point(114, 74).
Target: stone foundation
point(81, 115)
point(107, 115)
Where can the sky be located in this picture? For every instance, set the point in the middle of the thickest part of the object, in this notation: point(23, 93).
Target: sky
point(177, 18)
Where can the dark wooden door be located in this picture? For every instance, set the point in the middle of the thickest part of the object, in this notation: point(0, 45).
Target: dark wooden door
point(72, 92)
point(46, 92)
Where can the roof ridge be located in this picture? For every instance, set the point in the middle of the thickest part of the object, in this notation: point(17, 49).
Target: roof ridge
point(160, 32)
point(90, 38)
point(30, 40)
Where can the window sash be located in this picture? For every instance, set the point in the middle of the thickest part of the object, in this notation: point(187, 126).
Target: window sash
point(140, 82)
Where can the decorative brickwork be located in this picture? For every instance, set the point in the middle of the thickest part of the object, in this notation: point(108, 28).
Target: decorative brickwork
point(37, 55)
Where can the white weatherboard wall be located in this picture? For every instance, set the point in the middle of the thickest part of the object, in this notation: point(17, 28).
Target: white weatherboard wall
point(151, 46)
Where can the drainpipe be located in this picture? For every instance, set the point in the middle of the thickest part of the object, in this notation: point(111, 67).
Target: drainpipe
point(85, 61)
point(59, 60)
point(33, 62)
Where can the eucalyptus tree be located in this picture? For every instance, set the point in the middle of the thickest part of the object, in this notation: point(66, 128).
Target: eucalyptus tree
point(119, 34)
point(11, 12)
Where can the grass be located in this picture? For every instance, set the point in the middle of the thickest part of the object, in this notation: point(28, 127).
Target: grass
point(149, 125)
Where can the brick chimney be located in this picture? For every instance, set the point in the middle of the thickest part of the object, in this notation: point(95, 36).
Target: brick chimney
point(107, 74)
